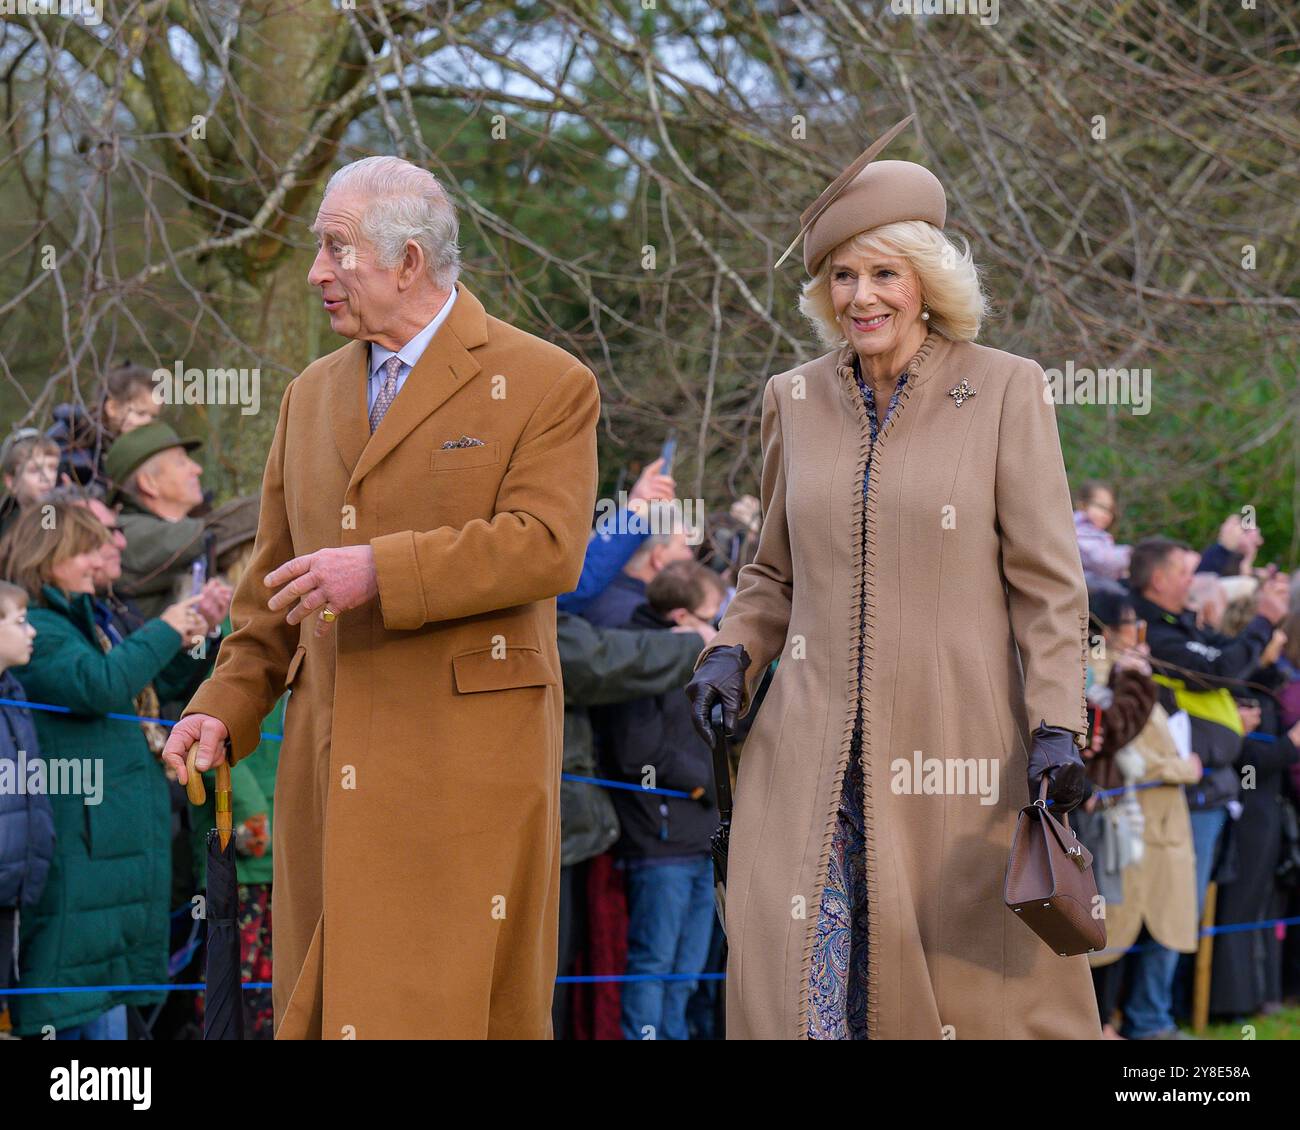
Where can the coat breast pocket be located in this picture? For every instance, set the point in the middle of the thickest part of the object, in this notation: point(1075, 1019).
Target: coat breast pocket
point(460, 485)
point(487, 454)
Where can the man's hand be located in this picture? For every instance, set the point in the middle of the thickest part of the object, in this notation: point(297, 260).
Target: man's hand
point(342, 578)
point(209, 732)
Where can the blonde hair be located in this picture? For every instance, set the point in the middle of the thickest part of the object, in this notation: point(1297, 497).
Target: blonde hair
point(31, 547)
point(950, 281)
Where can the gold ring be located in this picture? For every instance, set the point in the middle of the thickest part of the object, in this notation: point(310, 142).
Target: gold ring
point(328, 614)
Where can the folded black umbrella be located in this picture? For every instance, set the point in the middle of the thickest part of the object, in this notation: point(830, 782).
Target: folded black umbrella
point(721, 841)
point(223, 1005)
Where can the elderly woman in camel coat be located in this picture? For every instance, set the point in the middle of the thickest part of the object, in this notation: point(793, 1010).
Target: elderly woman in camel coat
point(918, 578)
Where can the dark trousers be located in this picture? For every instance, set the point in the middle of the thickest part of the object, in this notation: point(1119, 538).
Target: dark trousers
point(573, 939)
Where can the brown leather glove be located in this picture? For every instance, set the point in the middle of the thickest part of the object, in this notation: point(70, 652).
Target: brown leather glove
point(1055, 754)
point(720, 678)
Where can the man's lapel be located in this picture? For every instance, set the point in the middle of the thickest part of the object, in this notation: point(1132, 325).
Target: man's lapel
point(445, 366)
point(346, 392)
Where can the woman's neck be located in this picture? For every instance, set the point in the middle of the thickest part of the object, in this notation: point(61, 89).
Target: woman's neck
point(881, 370)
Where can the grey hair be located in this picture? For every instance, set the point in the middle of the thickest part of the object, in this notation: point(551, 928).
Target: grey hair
point(667, 521)
point(404, 202)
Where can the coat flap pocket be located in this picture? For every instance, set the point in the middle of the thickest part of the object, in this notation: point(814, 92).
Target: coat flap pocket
point(460, 458)
point(294, 664)
point(484, 670)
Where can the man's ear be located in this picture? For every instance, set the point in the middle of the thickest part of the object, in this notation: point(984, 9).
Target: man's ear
point(412, 267)
point(144, 484)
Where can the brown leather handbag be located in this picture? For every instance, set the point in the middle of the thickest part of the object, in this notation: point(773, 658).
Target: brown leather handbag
point(1050, 885)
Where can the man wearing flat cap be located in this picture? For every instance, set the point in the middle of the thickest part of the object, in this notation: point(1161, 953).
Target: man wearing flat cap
point(917, 576)
point(157, 486)
point(428, 493)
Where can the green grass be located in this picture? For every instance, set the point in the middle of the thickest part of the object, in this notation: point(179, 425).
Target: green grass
point(1284, 1025)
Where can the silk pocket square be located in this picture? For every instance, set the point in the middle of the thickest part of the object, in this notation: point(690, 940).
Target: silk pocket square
point(464, 441)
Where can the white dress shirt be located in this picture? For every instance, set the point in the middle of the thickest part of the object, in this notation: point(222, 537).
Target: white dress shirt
point(409, 353)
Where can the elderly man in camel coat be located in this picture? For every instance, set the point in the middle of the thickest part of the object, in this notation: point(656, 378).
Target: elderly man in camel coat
point(428, 494)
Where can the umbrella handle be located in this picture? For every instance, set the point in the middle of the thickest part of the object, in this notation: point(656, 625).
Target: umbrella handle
point(198, 794)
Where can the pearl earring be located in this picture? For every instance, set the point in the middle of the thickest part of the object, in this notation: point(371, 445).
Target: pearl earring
point(925, 312)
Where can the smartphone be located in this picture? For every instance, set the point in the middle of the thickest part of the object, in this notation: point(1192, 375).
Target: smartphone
point(198, 576)
point(668, 452)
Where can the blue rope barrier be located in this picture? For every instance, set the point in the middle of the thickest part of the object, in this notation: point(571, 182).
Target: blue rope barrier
point(280, 737)
point(625, 978)
point(628, 785)
point(589, 978)
point(115, 715)
point(600, 782)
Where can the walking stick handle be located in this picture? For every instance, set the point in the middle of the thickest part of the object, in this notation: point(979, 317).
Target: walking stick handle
point(198, 794)
point(193, 778)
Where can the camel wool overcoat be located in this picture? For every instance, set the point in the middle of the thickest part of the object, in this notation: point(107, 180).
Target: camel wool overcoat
point(417, 810)
point(975, 631)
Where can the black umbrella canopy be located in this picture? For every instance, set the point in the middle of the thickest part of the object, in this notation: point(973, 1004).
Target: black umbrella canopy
point(223, 1008)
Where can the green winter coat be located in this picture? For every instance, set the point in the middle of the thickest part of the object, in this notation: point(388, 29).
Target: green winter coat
point(103, 919)
point(158, 556)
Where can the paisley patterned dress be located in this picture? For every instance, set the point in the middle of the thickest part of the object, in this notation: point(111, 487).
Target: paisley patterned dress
point(838, 989)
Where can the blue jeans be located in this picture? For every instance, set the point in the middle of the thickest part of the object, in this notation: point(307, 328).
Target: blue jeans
point(1150, 1003)
point(669, 926)
point(111, 1025)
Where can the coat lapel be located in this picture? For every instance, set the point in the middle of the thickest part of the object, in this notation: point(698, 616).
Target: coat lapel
point(347, 402)
point(445, 366)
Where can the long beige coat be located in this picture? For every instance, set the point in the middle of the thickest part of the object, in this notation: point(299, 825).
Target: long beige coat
point(971, 562)
point(417, 816)
point(1160, 889)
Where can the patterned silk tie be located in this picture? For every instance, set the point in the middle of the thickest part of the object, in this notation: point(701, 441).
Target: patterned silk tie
point(387, 391)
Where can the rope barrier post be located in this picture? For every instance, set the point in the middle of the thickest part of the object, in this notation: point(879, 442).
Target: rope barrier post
point(1204, 961)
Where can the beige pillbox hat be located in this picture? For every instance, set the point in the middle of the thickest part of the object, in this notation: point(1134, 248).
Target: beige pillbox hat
point(867, 195)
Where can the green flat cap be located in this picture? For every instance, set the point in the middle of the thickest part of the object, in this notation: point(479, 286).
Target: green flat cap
point(133, 448)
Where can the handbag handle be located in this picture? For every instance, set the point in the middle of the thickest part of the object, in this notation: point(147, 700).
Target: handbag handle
point(1041, 802)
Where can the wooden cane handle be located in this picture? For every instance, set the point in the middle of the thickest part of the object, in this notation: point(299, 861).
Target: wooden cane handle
point(198, 794)
point(193, 778)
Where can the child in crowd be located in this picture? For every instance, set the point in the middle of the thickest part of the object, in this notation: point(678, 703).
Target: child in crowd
point(1094, 514)
point(29, 463)
point(26, 821)
point(126, 402)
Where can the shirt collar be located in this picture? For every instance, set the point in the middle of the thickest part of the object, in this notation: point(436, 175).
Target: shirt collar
point(411, 352)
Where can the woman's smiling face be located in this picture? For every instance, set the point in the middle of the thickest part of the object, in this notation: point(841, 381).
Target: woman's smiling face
point(877, 299)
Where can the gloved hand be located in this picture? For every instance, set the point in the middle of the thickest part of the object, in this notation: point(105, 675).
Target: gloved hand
point(720, 678)
point(1054, 753)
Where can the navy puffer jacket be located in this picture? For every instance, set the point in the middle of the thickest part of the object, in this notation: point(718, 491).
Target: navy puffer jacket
point(26, 820)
